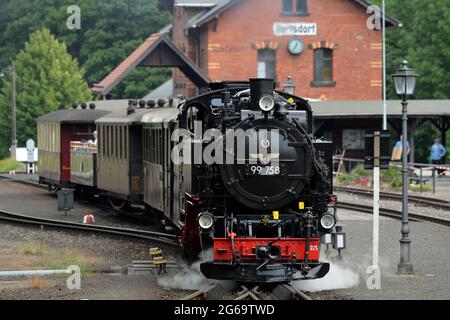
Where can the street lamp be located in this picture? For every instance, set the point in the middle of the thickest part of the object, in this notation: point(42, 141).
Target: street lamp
point(405, 83)
point(289, 86)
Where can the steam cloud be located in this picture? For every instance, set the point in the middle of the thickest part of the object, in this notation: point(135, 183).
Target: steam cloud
point(339, 277)
point(190, 277)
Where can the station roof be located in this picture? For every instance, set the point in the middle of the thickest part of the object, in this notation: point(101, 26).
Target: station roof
point(371, 108)
point(157, 51)
point(214, 8)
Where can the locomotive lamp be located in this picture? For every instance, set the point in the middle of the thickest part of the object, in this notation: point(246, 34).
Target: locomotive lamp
point(205, 220)
point(267, 103)
point(405, 83)
point(327, 221)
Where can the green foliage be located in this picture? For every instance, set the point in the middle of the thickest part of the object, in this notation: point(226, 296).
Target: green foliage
point(422, 40)
point(47, 79)
point(393, 176)
point(110, 31)
point(355, 176)
point(9, 164)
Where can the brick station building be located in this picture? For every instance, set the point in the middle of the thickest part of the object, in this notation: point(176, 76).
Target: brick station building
point(324, 45)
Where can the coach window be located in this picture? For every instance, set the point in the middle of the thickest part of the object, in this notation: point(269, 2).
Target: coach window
point(125, 143)
point(323, 68)
point(108, 133)
point(266, 64)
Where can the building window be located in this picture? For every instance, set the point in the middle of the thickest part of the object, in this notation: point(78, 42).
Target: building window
point(301, 7)
point(287, 6)
point(266, 64)
point(323, 68)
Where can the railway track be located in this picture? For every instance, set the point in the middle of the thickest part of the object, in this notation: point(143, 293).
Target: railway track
point(164, 238)
point(396, 214)
point(240, 292)
point(437, 203)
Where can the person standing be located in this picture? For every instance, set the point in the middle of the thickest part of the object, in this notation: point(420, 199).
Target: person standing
point(438, 155)
point(397, 151)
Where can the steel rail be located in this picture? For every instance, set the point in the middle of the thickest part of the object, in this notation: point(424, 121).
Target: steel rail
point(168, 239)
point(438, 203)
point(241, 292)
point(396, 214)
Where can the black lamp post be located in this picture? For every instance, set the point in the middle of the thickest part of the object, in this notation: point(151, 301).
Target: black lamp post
point(405, 83)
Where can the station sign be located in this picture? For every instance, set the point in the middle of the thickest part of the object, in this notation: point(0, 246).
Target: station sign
point(377, 149)
point(294, 29)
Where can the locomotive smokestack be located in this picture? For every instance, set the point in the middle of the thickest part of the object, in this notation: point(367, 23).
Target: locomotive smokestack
point(259, 88)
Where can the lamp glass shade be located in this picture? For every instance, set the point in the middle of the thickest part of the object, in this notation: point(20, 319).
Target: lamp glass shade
point(399, 81)
point(410, 84)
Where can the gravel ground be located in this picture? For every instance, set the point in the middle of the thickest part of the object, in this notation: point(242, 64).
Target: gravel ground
point(77, 248)
point(347, 280)
point(19, 198)
point(430, 257)
point(394, 204)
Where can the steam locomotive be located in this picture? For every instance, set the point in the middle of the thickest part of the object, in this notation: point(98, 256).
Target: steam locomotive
point(236, 169)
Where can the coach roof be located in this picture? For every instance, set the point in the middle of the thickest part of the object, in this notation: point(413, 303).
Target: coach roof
point(73, 116)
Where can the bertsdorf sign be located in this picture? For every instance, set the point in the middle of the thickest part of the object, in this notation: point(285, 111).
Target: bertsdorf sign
point(295, 29)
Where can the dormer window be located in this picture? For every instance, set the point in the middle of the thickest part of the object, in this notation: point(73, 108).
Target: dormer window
point(295, 7)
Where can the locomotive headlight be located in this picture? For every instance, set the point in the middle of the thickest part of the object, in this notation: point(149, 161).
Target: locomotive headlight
point(327, 221)
point(266, 103)
point(205, 220)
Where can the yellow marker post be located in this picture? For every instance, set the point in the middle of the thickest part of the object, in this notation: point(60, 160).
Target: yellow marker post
point(276, 215)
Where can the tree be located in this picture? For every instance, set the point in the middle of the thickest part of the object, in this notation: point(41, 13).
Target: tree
point(48, 79)
point(110, 31)
point(422, 40)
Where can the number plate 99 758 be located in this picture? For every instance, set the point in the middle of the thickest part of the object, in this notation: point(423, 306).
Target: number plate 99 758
point(257, 170)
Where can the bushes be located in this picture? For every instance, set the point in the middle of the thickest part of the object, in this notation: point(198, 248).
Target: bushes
point(9, 164)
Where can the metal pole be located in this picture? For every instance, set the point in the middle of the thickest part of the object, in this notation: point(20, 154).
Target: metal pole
point(434, 179)
point(13, 113)
point(421, 179)
point(384, 70)
point(376, 199)
point(405, 266)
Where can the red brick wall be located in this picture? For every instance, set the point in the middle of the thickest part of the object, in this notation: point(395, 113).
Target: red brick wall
point(182, 85)
point(357, 54)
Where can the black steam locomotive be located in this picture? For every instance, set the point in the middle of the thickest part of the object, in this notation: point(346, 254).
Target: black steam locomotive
point(236, 169)
point(264, 204)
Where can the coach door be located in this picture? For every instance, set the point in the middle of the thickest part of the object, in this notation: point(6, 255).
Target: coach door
point(154, 177)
